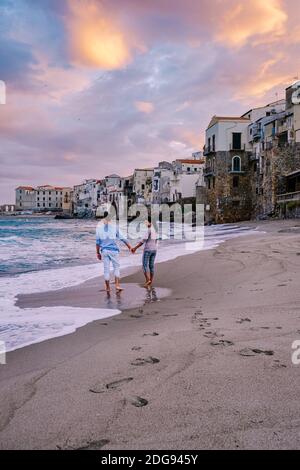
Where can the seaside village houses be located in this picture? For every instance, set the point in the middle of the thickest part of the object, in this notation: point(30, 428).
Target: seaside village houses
point(167, 183)
point(249, 169)
point(43, 199)
point(252, 163)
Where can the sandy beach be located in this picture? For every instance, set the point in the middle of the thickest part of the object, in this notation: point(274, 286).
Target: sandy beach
point(203, 362)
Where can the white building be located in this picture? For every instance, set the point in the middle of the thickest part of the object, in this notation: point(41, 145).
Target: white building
point(88, 196)
point(142, 185)
point(43, 198)
point(225, 134)
point(7, 208)
point(25, 198)
point(114, 188)
point(177, 181)
point(188, 165)
point(53, 198)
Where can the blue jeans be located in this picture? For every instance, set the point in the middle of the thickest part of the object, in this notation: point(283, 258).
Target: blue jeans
point(110, 257)
point(148, 261)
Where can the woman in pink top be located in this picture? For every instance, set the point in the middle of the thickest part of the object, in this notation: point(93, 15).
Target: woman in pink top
point(150, 250)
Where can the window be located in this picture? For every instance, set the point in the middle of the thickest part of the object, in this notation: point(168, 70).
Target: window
point(143, 187)
point(188, 169)
point(38, 198)
point(43, 204)
point(208, 144)
point(236, 141)
point(155, 185)
point(195, 169)
point(213, 143)
point(236, 164)
point(235, 181)
point(38, 204)
point(50, 204)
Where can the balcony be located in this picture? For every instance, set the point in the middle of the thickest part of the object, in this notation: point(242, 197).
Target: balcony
point(254, 157)
point(233, 149)
point(256, 132)
point(282, 128)
point(208, 151)
point(287, 197)
point(208, 171)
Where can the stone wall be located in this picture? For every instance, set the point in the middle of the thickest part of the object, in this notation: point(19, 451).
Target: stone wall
point(279, 161)
point(228, 203)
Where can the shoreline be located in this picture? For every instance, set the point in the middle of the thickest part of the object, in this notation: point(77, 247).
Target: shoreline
point(203, 392)
point(80, 289)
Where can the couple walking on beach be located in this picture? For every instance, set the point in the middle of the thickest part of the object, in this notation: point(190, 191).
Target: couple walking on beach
point(107, 250)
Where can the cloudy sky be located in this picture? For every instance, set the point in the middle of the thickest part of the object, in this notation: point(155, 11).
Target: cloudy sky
point(102, 86)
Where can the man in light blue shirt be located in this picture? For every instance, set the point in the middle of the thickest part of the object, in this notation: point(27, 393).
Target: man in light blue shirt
point(107, 234)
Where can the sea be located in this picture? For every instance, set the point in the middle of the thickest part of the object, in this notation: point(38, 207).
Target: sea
point(40, 253)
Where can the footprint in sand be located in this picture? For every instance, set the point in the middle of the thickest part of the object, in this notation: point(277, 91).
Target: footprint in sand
point(136, 348)
point(136, 316)
point(278, 365)
point(138, 401)
point(94, 445)
point(222, 342)
point(101, 388)
point(140, 361)
point(212, 334)
point(243, 320)
point(171, 315)
point(151, 334)
point(253, 352)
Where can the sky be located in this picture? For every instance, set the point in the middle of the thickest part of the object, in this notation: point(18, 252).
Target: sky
point(95, 87)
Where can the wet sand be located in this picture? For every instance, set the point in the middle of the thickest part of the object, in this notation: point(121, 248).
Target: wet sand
point(209, 366)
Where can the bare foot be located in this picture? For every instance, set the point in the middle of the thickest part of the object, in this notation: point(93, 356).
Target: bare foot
point(119, 288)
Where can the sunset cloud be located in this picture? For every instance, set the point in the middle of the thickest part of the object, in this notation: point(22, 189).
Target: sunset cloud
point(244, 20)
point(144, 106)
point(90, 80)
point(96, 40)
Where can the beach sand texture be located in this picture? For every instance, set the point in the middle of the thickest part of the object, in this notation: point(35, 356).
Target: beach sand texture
point(207, 367)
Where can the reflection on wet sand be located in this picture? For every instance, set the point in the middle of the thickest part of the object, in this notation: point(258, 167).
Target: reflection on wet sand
point(132, 296)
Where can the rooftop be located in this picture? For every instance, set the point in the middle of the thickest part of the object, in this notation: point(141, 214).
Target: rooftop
point(216, 119)
point(29, 188)
point(190, 160)
point(274, 103)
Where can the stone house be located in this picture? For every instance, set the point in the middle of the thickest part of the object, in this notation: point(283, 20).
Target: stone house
point(227, 170)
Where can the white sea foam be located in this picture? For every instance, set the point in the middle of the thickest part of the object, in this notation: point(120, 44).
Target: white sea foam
point(21, 327)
